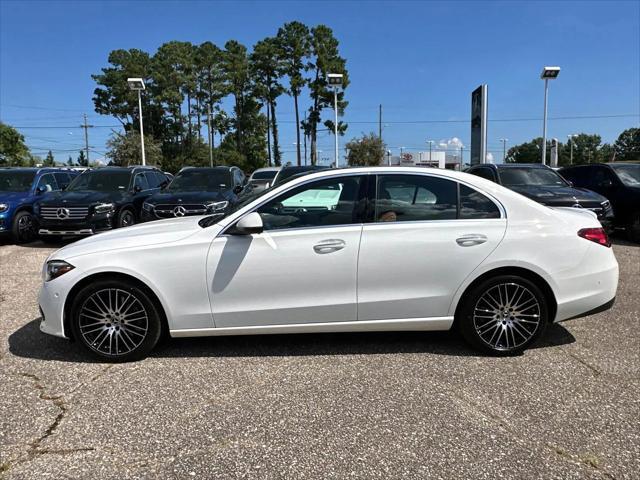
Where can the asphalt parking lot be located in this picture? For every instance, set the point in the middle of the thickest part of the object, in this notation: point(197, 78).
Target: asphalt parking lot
point(410, 405)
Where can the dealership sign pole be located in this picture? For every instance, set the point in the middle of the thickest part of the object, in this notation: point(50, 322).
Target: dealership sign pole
point(479, 113)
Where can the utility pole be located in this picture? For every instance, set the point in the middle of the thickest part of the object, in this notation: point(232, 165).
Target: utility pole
point(504, 148)
point(461, 156)
point(209, 135)
point(430, 142)
point(86, 136)
point(380, 122)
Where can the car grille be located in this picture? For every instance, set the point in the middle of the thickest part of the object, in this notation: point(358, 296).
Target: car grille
point(64, 213)
point(165, 210)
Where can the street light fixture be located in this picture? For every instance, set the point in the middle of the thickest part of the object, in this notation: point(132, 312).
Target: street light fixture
point(335, 80)
point(571, 142)
point(138, 84)
point(504, 148)
point(548, 73)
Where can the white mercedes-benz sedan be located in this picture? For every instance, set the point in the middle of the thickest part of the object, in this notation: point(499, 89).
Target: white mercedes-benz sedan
point(394, 249)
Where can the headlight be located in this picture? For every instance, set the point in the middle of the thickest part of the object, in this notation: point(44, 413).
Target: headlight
point(56, 268)
point(217, 206)
point(4, 207)
point(104, 207)
point(147, 206)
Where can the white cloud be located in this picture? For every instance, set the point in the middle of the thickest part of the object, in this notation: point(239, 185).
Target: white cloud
point(453, 143)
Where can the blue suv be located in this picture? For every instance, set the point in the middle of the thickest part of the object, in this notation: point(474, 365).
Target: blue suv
point(19, 190)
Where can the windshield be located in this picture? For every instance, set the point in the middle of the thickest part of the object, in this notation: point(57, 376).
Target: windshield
point(16, 181)
point(289, 172)
point(245, 199)
point(194, 180)
point(101, 181)
point(264, 175)
point(628, 174)
point(511, 177)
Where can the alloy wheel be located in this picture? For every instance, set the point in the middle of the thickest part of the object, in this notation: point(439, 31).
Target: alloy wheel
point(26, 228)
point(127, 219)
point(506, 316)
point(113, 321)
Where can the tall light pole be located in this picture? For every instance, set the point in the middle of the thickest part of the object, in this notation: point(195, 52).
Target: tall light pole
point(548, 73)
point(571, 137)
point(138, 84)
point(401, 154)
point(430, 142)
point(504, 148)
point(335, 80)
point(388, 158)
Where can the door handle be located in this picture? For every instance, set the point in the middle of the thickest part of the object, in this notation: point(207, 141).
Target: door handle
point(329, 246)
point(471, 240)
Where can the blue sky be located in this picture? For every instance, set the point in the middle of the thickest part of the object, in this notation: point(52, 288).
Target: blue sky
point(420, 60)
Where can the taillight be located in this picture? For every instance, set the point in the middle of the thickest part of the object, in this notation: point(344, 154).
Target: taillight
point(597, 235)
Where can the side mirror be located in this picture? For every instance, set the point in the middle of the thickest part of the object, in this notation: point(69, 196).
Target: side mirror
point(41, 189)
point(237, 189)
point(248, 224)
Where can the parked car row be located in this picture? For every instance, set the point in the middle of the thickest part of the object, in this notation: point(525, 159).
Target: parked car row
point(611, 191)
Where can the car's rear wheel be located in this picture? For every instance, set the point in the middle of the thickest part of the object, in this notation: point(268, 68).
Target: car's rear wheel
point(25, 227)
point(116, 320)
point(503, 315)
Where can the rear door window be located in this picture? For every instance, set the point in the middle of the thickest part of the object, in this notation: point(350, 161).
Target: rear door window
point(402, 198)
point(475, 205)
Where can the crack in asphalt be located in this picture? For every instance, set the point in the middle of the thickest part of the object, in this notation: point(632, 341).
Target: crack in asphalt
point(34, 448)
point(596, 372)
point(505, 425)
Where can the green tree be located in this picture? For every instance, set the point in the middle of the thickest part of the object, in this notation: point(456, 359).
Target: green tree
point(49, 160)
point(586, 148)
point(82, 159)
point(295, 44)
point(113, 95)
point(124, 150)
point(627, 146)
point(268, 67)
point(70, 161)
point(367, 150)
point(325, 59)
point(528, 152)
point(210, 78)
point(13, 150)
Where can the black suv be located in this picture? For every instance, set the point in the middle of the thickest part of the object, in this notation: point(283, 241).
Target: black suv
point(620, 183)
point(545, 186)
point(98, 200)
point(197, 191)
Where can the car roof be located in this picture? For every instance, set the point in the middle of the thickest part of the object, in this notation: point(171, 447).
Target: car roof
point(267, 169)
point(38, 169)
point(211, 169)
point(520, 165)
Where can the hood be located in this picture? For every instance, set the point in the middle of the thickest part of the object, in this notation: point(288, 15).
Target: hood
point(14, 197)
point(560, 196)
point(152, 233)
point(81, 197)
point(186, 197)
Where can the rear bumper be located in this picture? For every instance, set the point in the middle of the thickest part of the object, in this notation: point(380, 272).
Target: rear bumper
point(602, 308)
point(589, 288)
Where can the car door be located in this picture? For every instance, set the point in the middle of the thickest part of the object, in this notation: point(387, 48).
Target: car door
point(302, 268)
point(428, 234)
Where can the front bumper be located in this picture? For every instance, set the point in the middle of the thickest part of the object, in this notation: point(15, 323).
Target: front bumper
point(89, 226)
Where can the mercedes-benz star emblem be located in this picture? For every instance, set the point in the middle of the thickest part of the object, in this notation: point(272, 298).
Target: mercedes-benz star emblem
point(62, 213)
point(179, 211)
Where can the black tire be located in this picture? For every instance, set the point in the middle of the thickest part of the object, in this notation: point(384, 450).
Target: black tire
point(126, 218)
point(24, 228)
point(98, 319)
point(487, 319)
point(633, 229)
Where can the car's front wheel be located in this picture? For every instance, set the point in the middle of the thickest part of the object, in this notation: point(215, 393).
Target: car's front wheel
point(116, 320)
point(503, 315)
point(25, 227)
